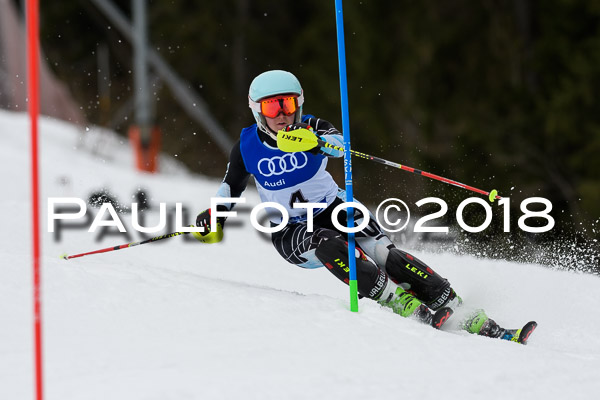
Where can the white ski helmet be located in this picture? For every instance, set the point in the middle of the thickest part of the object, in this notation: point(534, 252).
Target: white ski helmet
point(269, 84)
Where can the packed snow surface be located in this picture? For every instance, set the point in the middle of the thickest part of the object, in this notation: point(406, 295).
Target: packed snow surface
point(178, 319)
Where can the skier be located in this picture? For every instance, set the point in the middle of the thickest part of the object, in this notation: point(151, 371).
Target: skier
point(385, 274)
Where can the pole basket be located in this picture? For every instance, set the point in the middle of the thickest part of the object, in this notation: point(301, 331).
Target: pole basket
point(146, 150)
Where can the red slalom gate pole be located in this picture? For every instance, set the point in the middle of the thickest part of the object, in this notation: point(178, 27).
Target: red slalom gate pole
point(32, 18)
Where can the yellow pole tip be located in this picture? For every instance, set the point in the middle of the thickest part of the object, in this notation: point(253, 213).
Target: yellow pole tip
point(493, 195)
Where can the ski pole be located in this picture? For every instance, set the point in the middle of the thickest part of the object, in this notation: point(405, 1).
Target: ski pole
point(303, 140)
point(492, 195)
point(124, 246)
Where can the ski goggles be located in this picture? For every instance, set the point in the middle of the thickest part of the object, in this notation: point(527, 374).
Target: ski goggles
point(273, 106)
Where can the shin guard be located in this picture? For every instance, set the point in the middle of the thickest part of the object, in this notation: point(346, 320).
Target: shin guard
point(416, 276)
point(333, 253)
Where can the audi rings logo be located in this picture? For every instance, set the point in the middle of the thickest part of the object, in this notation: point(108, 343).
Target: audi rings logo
point(279, 164)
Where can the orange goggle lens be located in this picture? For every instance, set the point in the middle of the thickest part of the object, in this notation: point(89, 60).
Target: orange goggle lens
point(272, 107)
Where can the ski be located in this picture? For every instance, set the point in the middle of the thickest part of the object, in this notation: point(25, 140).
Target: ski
point(440, 317)
point(520, 335)
point(480, 324)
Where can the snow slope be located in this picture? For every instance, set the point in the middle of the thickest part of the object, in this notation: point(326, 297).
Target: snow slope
point(183, 320)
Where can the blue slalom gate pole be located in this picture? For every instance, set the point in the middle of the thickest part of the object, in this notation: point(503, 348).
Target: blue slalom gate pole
point(339, 22)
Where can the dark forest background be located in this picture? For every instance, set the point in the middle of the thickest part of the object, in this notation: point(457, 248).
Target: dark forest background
point(496, 94)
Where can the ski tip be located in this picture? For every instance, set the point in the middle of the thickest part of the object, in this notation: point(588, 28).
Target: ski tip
point(526, 331)
point(441, 316)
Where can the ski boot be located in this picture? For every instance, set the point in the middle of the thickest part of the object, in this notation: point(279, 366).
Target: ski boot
point(479, 323)
point(407, 305)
